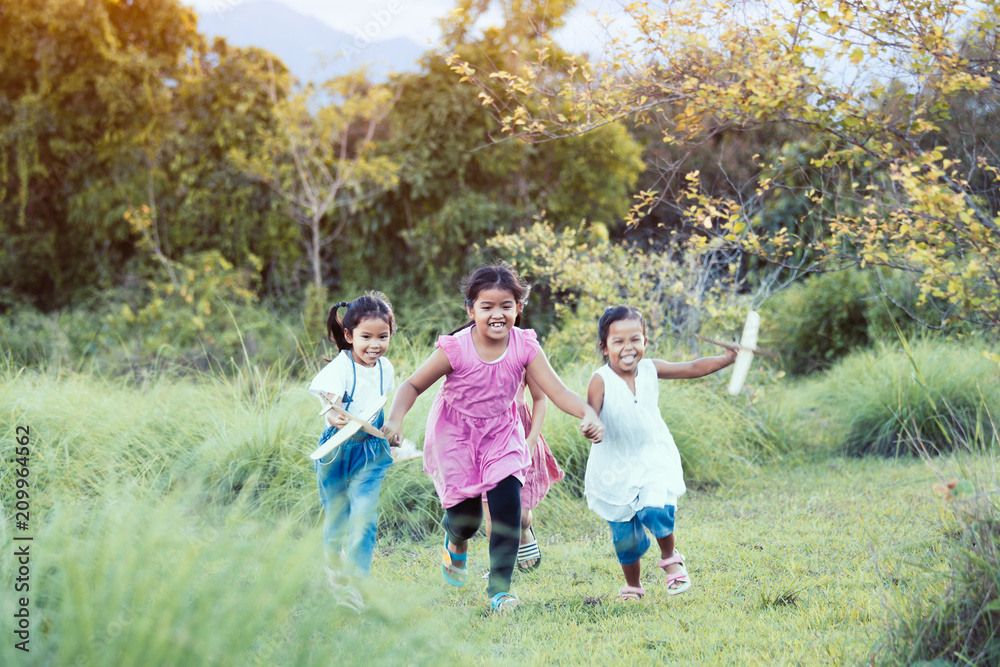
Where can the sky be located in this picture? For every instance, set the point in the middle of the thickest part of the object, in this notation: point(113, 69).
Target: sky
point(416, 19)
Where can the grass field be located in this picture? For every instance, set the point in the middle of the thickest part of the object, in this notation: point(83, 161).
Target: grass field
point(175, 521)
point(790, 565)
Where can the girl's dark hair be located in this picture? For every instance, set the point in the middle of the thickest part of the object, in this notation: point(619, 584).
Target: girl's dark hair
point(614, 314)
point(373, 305)
point(494, 276)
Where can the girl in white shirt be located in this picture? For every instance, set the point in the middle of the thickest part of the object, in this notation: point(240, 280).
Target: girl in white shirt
point(634, 475)
point(350, 477)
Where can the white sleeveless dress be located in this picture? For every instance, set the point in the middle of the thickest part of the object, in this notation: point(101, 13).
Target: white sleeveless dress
point(637, 464)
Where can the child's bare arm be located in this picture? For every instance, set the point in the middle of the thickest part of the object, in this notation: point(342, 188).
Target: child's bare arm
point(436, 367)
point(539, 404)
point(697, 368)
point(595, 393)
point(566, 400)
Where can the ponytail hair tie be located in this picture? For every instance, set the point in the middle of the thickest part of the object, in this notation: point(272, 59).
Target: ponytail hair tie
point(341, 304)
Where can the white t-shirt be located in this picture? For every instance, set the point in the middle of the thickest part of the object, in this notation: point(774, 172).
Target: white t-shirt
point(637, 464)
point(338, 378)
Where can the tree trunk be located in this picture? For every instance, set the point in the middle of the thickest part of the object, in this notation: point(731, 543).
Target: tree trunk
point(314, 251)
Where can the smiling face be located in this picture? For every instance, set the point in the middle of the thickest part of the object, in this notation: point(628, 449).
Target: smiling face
point(494, 312)
point(368, 340)
point(625, 345)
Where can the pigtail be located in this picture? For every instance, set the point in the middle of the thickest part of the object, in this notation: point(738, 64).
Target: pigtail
point(335, 328)
point(467, 325)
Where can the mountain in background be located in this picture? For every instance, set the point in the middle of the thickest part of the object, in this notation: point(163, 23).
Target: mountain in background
point(311, 49)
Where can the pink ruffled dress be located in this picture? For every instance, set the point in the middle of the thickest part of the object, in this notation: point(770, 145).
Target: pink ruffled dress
point(474, 437)
point(544, 470)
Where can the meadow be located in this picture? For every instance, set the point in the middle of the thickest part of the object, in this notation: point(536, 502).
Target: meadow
point(174, 519)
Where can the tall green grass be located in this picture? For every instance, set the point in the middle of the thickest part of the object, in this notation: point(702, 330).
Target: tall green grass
point(931, 397)
point(125, 581)
point(959, 624)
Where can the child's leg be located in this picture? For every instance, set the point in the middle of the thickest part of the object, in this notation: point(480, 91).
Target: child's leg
point(631, 542)
point(363, 491)
point(332, 481)
point(661, 522)
point(666, 546)
point(526, 517)
point(461, 522)
point(505, 508)
point(487, 519)
point(527, 533)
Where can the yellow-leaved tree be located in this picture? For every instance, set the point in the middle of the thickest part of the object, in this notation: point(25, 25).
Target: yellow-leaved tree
point(874, 85)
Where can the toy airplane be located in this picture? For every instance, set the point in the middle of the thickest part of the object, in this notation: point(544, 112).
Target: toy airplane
point(745, 349)
point(357, 423)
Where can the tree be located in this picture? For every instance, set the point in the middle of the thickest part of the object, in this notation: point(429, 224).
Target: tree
point(870, 80)
point(458, 188)
point(180, 193)
point(324, 163)
point(81, 81)
point(205, 201)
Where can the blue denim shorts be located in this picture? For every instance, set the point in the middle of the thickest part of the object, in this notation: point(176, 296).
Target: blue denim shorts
point(630, 538)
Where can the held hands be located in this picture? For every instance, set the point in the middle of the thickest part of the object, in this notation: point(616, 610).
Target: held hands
point(393, 433)
point(591, 427)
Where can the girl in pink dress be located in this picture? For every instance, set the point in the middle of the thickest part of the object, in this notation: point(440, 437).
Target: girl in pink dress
point(474, 440)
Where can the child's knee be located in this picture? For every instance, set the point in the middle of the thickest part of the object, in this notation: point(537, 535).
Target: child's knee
point(630, 540)
point(630, 551)
point(659, 520)
point(461, 527)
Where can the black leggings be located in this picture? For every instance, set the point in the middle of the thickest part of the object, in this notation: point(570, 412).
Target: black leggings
point(462, 521)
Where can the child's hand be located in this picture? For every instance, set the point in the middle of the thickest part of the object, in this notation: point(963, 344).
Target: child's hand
point(532, 445)
point(730, 356)
point(392, 432)
point(337, 419)
point(592, 428)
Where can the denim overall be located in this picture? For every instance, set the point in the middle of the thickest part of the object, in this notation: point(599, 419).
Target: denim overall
point(349, 480)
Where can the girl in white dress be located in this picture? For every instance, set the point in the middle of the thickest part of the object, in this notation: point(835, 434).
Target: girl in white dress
point(634, 475)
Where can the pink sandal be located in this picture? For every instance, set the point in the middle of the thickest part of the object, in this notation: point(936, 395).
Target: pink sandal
point(626, 593)
point(680, 577)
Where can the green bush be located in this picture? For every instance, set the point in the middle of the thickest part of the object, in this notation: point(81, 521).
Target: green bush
point(934, 397)
point(107, 336)
point(816, 321)
point(824, 317)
